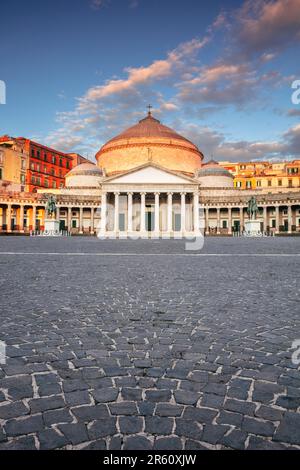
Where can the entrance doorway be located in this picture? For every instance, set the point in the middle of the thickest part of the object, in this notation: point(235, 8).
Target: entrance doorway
point(149, 218)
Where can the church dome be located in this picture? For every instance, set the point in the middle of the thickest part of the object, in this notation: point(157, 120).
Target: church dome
point(211, 174)
point(84, 175)
point(149, 140)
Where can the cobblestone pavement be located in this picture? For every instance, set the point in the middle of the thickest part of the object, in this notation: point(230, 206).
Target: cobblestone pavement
point(149, 351)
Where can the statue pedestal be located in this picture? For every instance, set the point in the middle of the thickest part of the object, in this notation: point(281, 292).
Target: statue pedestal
point(252, 228)
point(51, 227)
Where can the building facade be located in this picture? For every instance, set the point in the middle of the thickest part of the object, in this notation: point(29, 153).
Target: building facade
point(151, 182)
point(253, 175)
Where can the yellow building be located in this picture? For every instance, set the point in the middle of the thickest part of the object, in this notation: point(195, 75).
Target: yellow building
point(255, 175)
point(13, 164)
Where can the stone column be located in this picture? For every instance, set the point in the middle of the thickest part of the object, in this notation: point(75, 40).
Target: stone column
point(33, 218)
point(229, 220)
point(265, 209)
point(170, 212)
point(142, 217)
point(218, 220)
point(156, 213)
point(21, 218)
point(290, 223)
point(241, 219)
point(81, 219)
point(182, 212)
point(116, 223)
point(69, 222)
point(57, 213)
point(129, 212)
point(103, 213)
point(92, 220)
point(277, 219)
point(207, 220)
point(8, 218)
point(196, 212)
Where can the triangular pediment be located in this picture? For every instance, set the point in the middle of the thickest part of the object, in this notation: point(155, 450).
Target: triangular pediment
point(149, 173)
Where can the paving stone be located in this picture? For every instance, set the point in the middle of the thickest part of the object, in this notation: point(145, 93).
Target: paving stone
point(49, 439)
point(253, 426)
point(225, 417)
point(43, 404)
point(289, 429)
point(290, 403)
point(242, 407)
point(186, 397)
point(201, 415)
point(100, 444)
point(146, 408)
point(193, 445)
point(57, 416)
point(158, 425)
point(74, 433)
point(127, 408)
point(168, 443)
point(80, 397)
point(137, 443)
point(257, 443)
point(268, 413)
point(235, 440)
point(23, 443)
point(212, 401)
point(158, 395)
point(131, 394)
point(130, 424)
point(27, 425)
point(105, 395)
point(214, 433)
point(165, 409)
point(188, 428)
point(90, 413)
point(13, 410)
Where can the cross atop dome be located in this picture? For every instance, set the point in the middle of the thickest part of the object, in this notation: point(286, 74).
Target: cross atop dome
point(149, 108)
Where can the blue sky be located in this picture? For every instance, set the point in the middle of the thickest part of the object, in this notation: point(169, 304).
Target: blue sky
point(78, 72)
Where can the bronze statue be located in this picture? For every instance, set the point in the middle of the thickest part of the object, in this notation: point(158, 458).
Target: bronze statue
point(252, 209)
point(51, 207)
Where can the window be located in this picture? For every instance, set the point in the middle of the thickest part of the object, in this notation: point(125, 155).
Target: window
point(23, 164)
point(45, 157)
point(0, 173)
point(33, 179)
point(32, 153)
point(67, 164)
point(60, 162)
point(258, 183)
point(248, 184)
point(224, 224)
point(279, 182)
point(242, 167)
point(52, 171)
point(38, 181)
point(38, 154)
point(54, 184)
point(46, 183)
point(22, 179)
point(32, 166)
point(269, 182)
point(53, 160)
point(38, 167)
point(45, 169)
point(238, 184)
point(290, 183)
point(61, 185)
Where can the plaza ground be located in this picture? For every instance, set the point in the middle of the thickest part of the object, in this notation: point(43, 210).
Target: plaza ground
point(143, 345)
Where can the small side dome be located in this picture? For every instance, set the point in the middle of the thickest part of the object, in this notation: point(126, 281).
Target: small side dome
point(85, 175)
point(212, 175)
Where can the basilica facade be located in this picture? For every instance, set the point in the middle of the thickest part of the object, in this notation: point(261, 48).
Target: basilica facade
point(150, 181)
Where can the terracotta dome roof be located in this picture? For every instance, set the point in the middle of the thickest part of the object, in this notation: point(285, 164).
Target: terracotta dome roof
point(147, 128)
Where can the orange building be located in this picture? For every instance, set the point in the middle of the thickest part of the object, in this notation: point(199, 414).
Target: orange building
point(264, 174)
